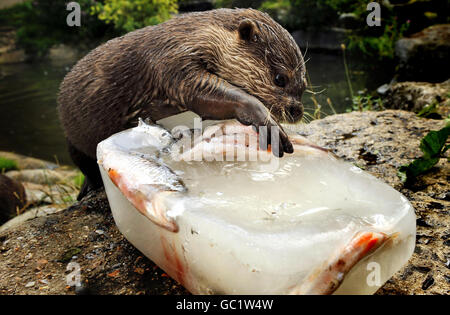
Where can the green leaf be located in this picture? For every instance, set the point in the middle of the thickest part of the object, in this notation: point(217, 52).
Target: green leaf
point(433, 146)
point(416, 167)
point(428, 110)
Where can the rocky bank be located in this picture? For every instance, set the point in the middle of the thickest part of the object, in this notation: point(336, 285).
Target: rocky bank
point(36, 253)
point(47, 187)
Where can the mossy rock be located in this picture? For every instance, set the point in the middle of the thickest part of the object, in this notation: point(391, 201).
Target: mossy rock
point(7, 164)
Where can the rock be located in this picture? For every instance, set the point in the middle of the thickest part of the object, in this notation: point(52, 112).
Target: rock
point(36, 193)
point(42, 176)
point(9, 53)
point(8, 3)
point(12, 198)
point(414, 96)
point(383, 89)
point(108, 262)
point(52, 194)
point(25, 162)
point(379, 142)
point(425, 56)
point(13, 56)
point(44, 182)
point(30, 284)
point(33, 213)
point(391, 138)
point(63, 53)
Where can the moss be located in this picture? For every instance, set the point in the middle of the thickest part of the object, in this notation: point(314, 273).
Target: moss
point(68, 254)
point(7, 165)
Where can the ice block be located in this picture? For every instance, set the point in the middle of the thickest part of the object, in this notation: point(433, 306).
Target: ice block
point(311, 224)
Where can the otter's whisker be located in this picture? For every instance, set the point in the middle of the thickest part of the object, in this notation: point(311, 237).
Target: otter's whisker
point(315, 93)
point(302, 63)
point(269, 114)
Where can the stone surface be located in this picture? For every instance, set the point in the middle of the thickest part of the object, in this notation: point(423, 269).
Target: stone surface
point(26, 162)
point(37, 193)
point(380, 142)
point(40, 211)
point(42, 176)
point(9, 53)
point(9, 3)
point(63, 53)
point(425, 56)
point(414, 96)
point(61, 193)
point(40, 249)
point(45, 183)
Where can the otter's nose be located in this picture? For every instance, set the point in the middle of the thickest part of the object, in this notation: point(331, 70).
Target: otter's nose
point(295, 113)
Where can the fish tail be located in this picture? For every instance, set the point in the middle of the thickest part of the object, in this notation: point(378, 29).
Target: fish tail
point(329, 277)
point(153, 206)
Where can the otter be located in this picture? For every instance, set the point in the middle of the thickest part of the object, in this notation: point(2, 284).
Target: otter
point(12, 198)
point(221, 64)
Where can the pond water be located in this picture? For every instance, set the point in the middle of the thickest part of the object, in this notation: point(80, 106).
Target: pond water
point(29, 122)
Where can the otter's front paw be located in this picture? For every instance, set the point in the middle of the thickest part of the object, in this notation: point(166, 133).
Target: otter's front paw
point(270, 132)
point(274, 135)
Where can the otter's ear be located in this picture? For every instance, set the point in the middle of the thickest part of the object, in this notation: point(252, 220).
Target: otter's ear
point(247, 29)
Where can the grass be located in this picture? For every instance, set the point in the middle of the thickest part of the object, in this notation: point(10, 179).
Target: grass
point(347, 73)
point(365, 102)
point(7, 165)
point(78, 180)
point(360, 102)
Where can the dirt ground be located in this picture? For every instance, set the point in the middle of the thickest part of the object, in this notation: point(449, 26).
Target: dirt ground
point(35, 255)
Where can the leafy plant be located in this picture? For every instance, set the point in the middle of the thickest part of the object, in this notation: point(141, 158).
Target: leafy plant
point(314, 15)
point(433, 110)
point(279, 10)
point(433, 147)
point(42, 23)
point(129, 15)
point(365, 102)
point(383, 46)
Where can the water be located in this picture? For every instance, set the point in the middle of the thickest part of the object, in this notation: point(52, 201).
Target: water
point(327, 74)
point(28, 117)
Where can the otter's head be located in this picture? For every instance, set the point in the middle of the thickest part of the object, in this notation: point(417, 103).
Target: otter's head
point(263, 59)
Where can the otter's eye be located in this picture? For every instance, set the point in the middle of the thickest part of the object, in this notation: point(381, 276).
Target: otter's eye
point(280, 80)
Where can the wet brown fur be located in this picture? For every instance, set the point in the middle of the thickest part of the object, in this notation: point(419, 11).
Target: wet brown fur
point(159, 69)
point(196, 58)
